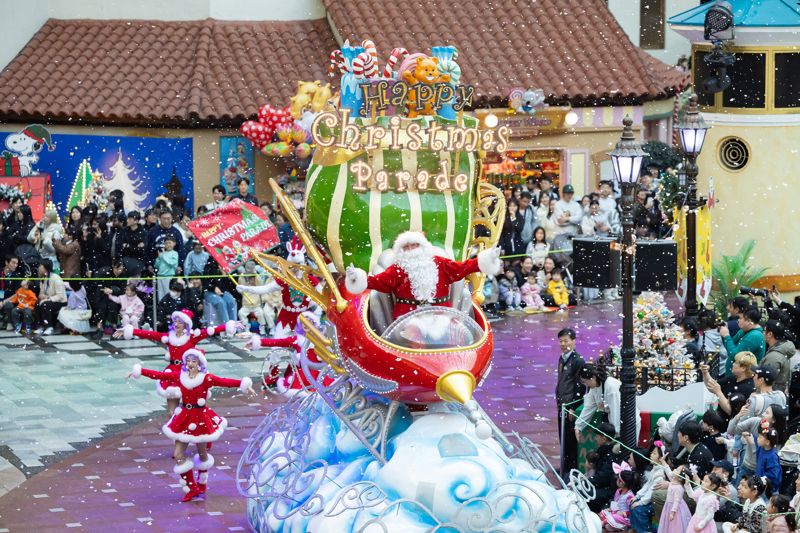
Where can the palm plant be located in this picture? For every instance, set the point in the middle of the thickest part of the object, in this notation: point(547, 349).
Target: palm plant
point(732, 273)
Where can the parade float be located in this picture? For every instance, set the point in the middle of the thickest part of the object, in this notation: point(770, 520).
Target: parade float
point(384, 434)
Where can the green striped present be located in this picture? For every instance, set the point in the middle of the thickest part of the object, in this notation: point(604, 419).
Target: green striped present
point(356, 227)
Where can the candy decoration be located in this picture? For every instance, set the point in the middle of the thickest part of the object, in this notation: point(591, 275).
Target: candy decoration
point(337, 63)
point(269, 120)
point(398, 54)
point(365, 66)
point(369, 47)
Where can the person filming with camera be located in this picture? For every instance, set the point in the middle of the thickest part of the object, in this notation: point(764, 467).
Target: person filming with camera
point(749, 338)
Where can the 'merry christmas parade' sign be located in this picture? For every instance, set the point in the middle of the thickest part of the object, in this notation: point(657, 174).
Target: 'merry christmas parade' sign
point(230, 232)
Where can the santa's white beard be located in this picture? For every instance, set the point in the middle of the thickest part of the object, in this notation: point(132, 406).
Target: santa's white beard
point(421, 269)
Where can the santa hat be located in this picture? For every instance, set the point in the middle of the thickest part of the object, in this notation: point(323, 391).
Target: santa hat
point(39, 133)
point(200, 354)
point(409, 237)
point(185, 316)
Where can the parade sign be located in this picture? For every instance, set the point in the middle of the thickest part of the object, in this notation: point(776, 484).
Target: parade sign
point(230, 233)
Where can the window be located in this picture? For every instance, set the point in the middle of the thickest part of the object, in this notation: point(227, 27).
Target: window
point(748, 81)
point(702, 72)
point(787, 81)
point(651, 24)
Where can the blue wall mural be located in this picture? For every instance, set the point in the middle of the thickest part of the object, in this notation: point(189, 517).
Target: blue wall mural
point(139, 166)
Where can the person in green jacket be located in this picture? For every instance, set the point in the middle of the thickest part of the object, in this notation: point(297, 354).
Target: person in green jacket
point(749, 338)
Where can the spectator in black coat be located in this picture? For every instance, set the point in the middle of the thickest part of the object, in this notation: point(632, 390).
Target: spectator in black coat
point(96, 246)
point(133, 239)
point(171, 302)
point(111, 281)
point(511, 236)
point(604, 480)
point(713, 428)
point(8, 287)
point(155, 240)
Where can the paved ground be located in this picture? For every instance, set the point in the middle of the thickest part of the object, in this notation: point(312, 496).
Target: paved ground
point(58, 398)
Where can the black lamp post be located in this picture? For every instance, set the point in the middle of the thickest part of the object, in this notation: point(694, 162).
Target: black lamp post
point(627, 159)
point(692, 129)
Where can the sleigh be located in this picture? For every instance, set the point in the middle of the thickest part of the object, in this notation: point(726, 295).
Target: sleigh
point(428, 355)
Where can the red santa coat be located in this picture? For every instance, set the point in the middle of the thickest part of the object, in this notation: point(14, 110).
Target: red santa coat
point(291, 382)
point(193, 421)
point(395, 280)
point(295, 303)
point(176, 346)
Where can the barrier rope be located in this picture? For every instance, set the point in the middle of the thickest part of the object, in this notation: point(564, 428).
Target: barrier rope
point(647, 458)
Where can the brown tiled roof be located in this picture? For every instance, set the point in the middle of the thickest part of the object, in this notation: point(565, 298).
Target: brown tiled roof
point(196, 73)
point(573, 49)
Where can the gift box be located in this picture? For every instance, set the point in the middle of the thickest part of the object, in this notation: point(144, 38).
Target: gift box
point(10, 165)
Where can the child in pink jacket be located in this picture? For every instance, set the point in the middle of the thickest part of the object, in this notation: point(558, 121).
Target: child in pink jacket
point(132, 307)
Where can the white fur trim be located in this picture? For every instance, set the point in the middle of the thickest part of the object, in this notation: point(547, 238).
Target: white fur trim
point(202, 477)
point(409, 237)
point(199, 354)
point(127, 332)
point(201, 402)
point(184, 467)
point(177, 410)
point(195, 333)
point(245, 384)
point(185, 488)
point(255, 342)
point(358, 283)
point(210, 330)
point(203, 465)
point(191, 383)
point(137, 370)
point(489, 261)
point(192, 426)
point(167, 356)
point(171, 393)
point(194, 439)
point(177, 341)
point(165, 339)
point(230, 328)
point(183, 317)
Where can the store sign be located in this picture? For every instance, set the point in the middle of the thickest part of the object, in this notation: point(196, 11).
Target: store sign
point(336, 130)
point(550, 120)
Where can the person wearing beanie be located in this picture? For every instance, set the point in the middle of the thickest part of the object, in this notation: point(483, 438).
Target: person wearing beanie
point(780, 351)
point(179, 339)
point(194, 422)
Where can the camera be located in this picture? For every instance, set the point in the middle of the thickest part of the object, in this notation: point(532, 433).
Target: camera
point(754, 292)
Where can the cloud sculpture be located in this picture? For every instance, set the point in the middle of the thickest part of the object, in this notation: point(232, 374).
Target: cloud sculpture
point(305, 470)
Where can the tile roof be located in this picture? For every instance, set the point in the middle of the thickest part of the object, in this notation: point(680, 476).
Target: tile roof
point(212, 73)
point(573, 49)
point(195, 73)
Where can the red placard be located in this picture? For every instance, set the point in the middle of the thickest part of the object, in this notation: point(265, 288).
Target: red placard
point(232, 231)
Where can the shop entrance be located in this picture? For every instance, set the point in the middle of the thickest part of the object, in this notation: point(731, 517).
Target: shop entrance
point(514, 167)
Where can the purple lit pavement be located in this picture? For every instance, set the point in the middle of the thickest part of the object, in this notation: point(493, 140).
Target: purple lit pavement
point(125, 483)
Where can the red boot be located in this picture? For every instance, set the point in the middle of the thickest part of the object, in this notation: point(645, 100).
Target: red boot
point(184, 470)
point(202, 471)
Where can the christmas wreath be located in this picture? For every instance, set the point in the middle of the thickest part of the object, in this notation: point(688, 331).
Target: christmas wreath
point(9, 193)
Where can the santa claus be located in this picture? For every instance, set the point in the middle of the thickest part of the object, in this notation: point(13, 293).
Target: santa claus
point(419, 275)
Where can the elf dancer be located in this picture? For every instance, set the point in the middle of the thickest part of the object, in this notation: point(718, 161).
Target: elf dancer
point(295, 302)
point(193, 421)
point(179, 339)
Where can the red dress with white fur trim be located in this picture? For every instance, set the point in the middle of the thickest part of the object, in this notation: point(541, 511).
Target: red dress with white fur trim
point(193, 421)
point(176, 346)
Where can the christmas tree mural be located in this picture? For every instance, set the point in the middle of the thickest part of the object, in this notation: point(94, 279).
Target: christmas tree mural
point(80, 189)
point(121, 180)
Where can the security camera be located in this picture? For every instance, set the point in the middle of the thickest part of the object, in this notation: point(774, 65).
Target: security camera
point(718, 25)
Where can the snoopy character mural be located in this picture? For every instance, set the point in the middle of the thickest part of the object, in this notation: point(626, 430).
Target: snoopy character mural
point(25, 147)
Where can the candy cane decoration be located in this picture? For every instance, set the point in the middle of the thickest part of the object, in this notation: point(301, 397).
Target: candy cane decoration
point(337, 62)
point(397, 55)
point(364, 66)
point(369, 47)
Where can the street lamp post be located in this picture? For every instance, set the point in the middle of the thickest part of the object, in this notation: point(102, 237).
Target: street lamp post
point(627, 161)
point(692, 129)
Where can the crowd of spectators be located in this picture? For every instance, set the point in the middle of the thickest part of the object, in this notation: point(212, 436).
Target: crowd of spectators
point(95, 272)
point(733, 469)
point(536, 239)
